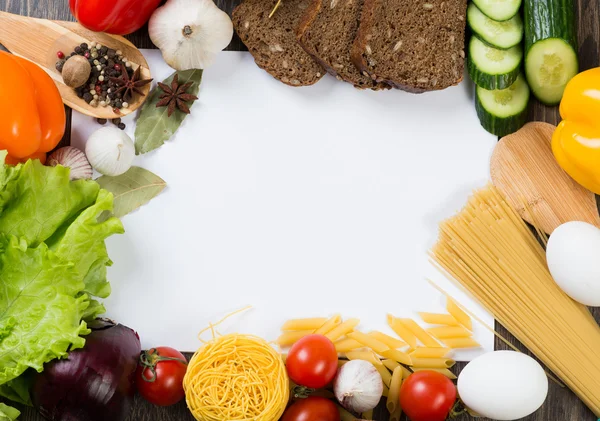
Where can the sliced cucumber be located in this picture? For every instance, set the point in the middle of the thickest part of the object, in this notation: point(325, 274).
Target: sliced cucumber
point(503, 35)
point(492, 68)
point(499, 10)
point(550, 47)
point(503, 111)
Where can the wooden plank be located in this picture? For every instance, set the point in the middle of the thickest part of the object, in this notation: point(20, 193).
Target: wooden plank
point(562, 404)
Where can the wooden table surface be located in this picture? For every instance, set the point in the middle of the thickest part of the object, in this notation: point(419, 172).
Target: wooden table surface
point(562, 404)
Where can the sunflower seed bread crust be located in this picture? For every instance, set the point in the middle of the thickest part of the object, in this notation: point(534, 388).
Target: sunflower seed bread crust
point(272, 41)
point(327, 31)
point(413, 45)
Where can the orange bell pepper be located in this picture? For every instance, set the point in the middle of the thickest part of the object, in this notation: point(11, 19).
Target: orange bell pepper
point(576, 141)
point(32, 115)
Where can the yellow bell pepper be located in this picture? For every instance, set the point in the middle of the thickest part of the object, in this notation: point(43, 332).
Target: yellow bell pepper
point(576, 141)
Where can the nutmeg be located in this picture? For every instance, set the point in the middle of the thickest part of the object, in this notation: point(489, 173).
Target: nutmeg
point(76, 71)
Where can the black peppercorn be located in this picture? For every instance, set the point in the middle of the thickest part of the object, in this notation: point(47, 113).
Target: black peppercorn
point(121, 126)
point(73, 54)
point(84, 46)
point(101, 121)
point(111, 53)
point(60, 64)
point(103, 60)
point(78, 50)
point(118, 103)
point(103, 50)
point(87, 97)
point(116, 121)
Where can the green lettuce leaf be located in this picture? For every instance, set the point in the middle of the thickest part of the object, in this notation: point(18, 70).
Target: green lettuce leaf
point(7, 413)
point(52, 265)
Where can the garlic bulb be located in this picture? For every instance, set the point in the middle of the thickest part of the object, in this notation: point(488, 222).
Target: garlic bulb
point(358, 386)
point(110, 151)
point(74, 159)
point(190, 33)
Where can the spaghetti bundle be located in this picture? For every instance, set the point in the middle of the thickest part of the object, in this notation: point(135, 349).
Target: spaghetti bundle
point(492, 253)
point(236, 377)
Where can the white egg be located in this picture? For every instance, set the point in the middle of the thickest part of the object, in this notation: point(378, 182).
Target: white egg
point(573, 256)
point(503, 385)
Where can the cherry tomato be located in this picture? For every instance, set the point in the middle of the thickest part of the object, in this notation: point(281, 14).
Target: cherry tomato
point(313, 408)
point(312, 361)
point(427, 396)
point(159, 375)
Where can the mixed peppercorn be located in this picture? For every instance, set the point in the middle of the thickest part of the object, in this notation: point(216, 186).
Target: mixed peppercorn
point(106, 64)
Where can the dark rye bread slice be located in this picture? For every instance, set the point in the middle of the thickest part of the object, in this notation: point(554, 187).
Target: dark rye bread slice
point(327, 31)
point(414, 45)
point(272, 41)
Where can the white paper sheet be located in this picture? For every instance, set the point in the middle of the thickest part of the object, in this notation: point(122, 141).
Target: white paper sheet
point(298, 201)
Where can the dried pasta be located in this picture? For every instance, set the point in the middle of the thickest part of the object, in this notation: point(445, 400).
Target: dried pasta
point(422, 352)
point(420, 333)
point(449, 332)
point(432, 363)
point(402, 331)
point(443, 371)
point(456, 343)
point(493, 255)
point(368, 341)
point(289, 338)
point(329, 324)
point(236, 377)
point(396, 355)
point(458, 313)
point(390, 341)
point(345, 345)
point(393, 397)
point(439, 319)
point(342, 329)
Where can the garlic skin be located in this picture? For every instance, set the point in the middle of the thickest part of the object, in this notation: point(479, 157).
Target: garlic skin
point(190, 33)
point(110, 151)
point(358, 386)
point(74, 159)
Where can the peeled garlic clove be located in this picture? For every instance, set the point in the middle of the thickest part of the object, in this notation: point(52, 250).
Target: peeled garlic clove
point(110, 151)
point(358, 386)
point(74, 159)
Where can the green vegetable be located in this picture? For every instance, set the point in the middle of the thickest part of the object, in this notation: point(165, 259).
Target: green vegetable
point(502, 35)
point(550, 47)
point(52, 262)
point(503, 111)
point(499, 10)
point(7, 413)
point(154, 127)
point(492, 68)
point(133, 189)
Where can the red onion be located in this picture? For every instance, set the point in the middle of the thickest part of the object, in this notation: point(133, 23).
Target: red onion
point(96, 383)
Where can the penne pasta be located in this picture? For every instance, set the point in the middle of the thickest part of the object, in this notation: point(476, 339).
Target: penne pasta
point(397, 414)
point(368, 341)
point(396, 355)
point(405, 372)
point(449, 332)
point(304, 324)
point(391, 364)
point(402, 331)
point(458, 313)
point(439, 319)
point(342, 329)
point(456, 343)
point(443, 371)
point(386, 391)
point(390, 341)
point(394, 395)
point(420, 333)
point(364, 355)
point(432, 363)
point(367, 415)
point(342, 362)
point(423, 352)
point(329, 324)
point(289, 338)
point(346, 345)
point(385, 374)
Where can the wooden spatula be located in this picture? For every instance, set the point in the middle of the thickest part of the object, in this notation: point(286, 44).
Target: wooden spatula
point(524, 169)
point(39, 40)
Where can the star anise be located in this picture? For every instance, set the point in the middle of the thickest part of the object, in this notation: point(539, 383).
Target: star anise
point(175, 96)
point(129, 85)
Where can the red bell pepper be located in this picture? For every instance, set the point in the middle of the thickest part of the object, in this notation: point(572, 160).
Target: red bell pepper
point(120, 17)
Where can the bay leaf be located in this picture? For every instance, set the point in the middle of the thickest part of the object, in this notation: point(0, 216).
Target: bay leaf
point(132, 189)
point(154, 127)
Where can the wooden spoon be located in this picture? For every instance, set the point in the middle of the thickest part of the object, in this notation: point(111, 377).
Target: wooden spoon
point(38, 40)
point(524, 169)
